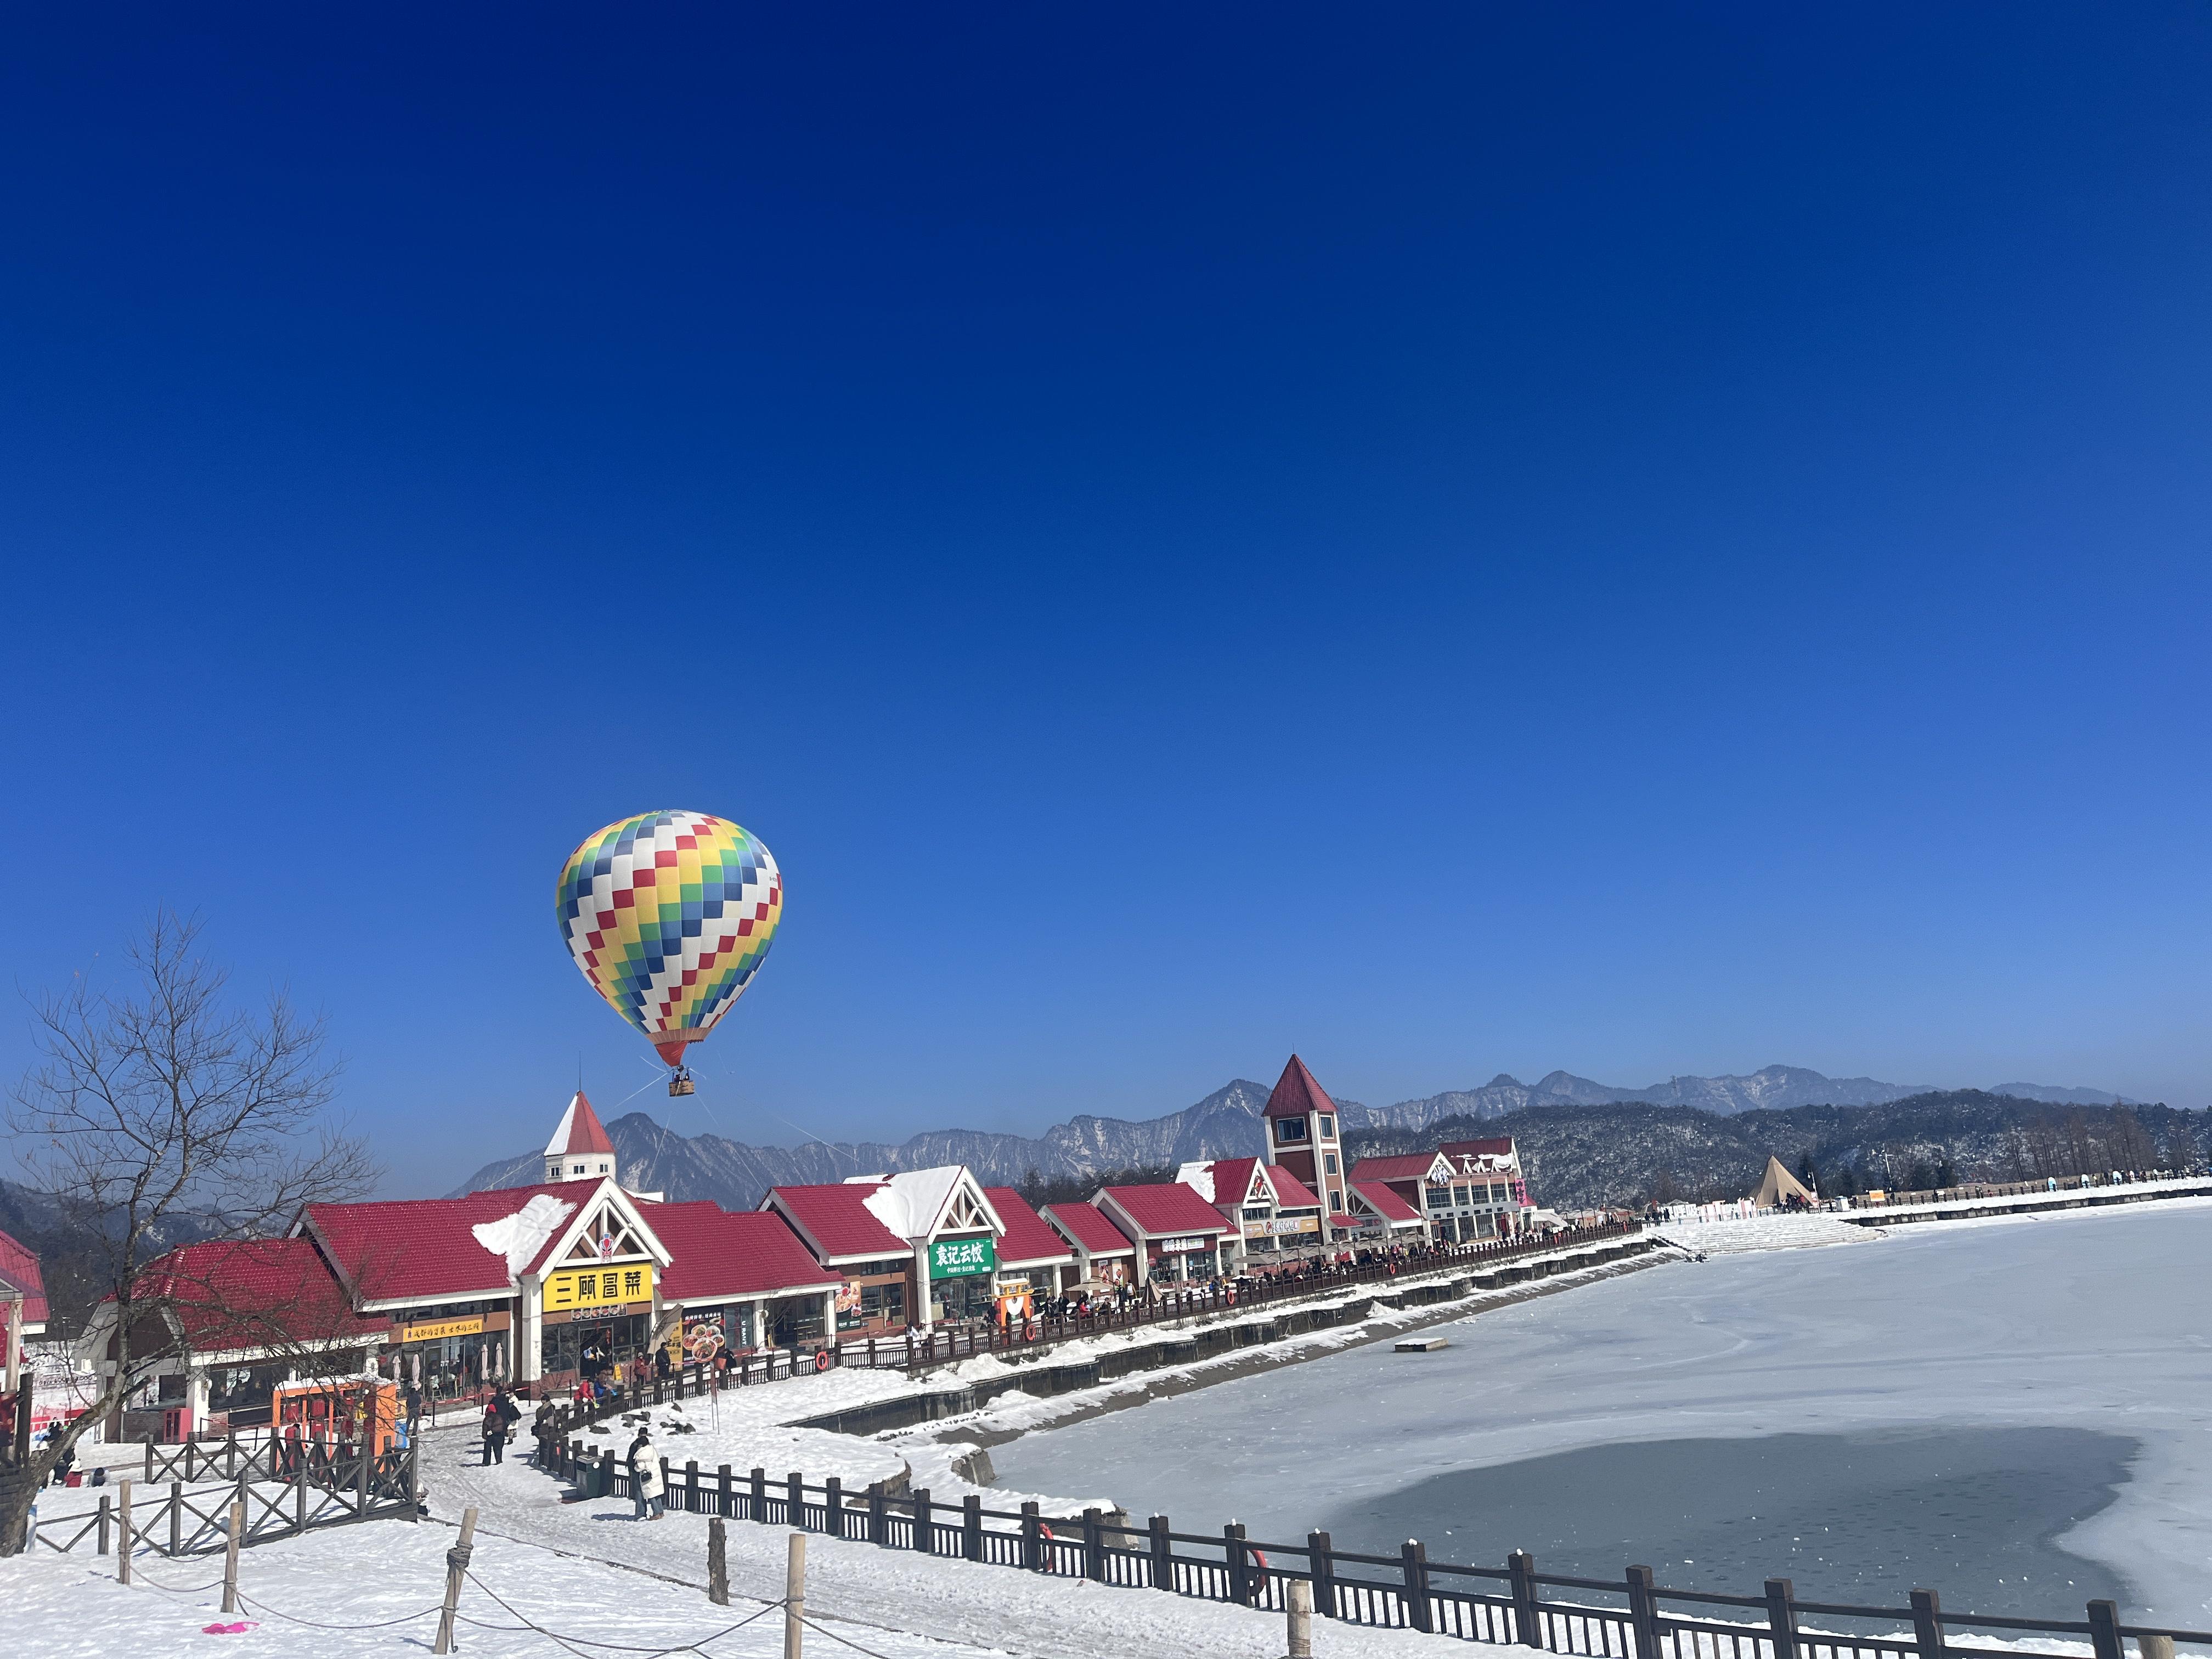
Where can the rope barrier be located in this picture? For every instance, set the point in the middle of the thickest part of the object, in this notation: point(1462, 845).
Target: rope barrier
point(574, 1643)
point(834, 1637)
point(294, 1618)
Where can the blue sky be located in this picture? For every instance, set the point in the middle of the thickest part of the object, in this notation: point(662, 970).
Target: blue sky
point(1455, 540)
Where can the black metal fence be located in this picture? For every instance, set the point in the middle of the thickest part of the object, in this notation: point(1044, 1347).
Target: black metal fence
point(1628, 1618)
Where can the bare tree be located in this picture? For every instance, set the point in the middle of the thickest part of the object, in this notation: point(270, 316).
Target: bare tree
point(161, 1113)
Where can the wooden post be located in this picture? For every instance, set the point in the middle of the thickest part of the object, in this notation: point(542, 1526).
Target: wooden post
point(1094, 1547)
point(759, 1495)
point(361, 1480)
point(794, 1501)
point(1928, 1624)
point(879, 1518)
point(230, 1557)
point(1232, 1546)
point(718, 1565)
point(1032, 1538)
point(1163, 1553)
point(606, 1472)
point(176, 1519)
point(456, 1564)
point(1414, 1557)
point(2104, 1630)
point(833, 1504)
point(925, 1523)
point(971, 1527)
point(1298, 1607)
point(1528, 1619)
point(1782, 1618)
point(1643, 1613)
point(1321, 1565)
point(123, 1540)
point(691, 1479)
point(794, 1597)
point(300, 1494)
point(722, 1486)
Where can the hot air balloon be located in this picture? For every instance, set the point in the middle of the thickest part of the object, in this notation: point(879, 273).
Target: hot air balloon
point(669, 914)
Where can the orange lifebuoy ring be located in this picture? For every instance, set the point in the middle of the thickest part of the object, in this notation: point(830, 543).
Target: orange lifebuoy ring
point(1031, 1331)
point(821, 1359)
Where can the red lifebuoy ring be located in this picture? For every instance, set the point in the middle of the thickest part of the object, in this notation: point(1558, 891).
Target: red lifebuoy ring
point(1031, 1331)
point(821, 1359)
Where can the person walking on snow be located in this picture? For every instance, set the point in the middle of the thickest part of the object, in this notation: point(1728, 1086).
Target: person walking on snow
point(645, 1477)
point(495, 1432)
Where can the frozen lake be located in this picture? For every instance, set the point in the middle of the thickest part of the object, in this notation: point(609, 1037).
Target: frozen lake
point(2018, 1413)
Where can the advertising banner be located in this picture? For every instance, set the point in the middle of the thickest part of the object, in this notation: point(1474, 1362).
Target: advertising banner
point(704, 1335)
point(592, 1287)
point(956, 1258)
point(1283, 1227)
point(432, 1330)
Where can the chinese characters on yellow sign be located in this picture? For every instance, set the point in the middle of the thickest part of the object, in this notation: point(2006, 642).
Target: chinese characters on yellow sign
point(597, 1287)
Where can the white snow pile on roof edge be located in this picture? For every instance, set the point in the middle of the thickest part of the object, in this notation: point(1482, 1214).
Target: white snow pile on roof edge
point(1198, 1178)
point(520, 1235)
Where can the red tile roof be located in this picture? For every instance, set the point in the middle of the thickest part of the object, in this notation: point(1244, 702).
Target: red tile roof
point(1403, 1166)
point(1231, 1177)
point(1090, 1227)
point(1297, 1093)
point(721, 1253)
point(1027, 1238)
point(19, 1271)
point(406, 1250)
point(1290, 1192)
point(1167, 1206)
point(580, 1130)
point(268, 1293)
point(1386, 1203)
point(835, 1220)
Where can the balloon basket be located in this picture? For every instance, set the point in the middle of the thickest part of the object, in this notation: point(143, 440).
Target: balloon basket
point(679, 1083)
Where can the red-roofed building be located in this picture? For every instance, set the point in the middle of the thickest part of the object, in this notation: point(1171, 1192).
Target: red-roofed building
point(580, 1148)
point(1375, 1203)
point(1300, 1122)
point(1274, 1212)
point(22, 1315)
point(1029, 1253)
point(738, 1279)
point(1465, 1189)
point(1104, 1253)
point(919, 1247)
point(1180, 1239)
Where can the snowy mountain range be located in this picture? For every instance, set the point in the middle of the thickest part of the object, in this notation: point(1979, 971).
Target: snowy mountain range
point(1223, 1125)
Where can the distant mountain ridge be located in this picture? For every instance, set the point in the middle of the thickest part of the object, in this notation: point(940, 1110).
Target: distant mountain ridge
point(1223, 1125)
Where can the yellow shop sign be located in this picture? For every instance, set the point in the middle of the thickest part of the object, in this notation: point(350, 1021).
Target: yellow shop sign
point(432, 1330)
point(598, 1287)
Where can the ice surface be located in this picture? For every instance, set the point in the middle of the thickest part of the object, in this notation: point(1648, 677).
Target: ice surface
point(2093, 1319)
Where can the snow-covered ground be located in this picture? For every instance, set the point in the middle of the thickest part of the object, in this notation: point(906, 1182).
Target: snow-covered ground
point(2080, 1319)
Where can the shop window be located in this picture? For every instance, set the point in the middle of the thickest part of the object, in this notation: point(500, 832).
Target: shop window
point(885, 1302)
point(1288, 1129)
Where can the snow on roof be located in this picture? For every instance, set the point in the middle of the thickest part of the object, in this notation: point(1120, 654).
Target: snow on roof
point(1090, 1227)
point(1297, 1093)
point(1166, 1206)
point(837, 1221)
point(408, 1249)
point(1198, 1178)
point(519, 1237)
point(1027, 1239)
point(578, 1131)
point(1499, 1146)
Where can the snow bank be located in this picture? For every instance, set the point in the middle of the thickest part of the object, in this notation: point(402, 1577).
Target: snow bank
point(520, 1235)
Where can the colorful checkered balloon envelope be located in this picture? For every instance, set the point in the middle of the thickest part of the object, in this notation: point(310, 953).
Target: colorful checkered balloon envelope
point(669, 914)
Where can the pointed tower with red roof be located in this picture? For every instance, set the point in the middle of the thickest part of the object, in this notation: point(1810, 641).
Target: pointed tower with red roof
point(580, 1148)
point(1300, 1122)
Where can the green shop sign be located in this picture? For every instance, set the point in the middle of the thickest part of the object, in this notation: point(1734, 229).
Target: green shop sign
point(956, 1258)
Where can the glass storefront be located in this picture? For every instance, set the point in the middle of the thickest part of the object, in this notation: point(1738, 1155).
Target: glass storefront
point(593, 1348)
point(969, 1296)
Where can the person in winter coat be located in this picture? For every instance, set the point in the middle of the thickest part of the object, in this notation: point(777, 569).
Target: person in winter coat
point(645, 1477)
point(495, 1433)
